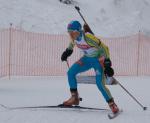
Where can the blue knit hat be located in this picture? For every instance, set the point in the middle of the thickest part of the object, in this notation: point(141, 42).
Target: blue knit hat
point(74, 26)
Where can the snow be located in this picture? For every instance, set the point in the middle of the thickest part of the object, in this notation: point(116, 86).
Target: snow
point(34, 91)
point(107, 18)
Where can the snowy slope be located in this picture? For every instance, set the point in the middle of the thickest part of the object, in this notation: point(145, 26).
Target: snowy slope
point(53, 90)
point(106, 17)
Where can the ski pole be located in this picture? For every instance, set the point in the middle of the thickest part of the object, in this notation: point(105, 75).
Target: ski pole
point(78, 9)
point(143, 107)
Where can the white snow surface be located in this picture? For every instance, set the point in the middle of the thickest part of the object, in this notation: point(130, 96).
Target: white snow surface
point(108, 18)
point(54, 90)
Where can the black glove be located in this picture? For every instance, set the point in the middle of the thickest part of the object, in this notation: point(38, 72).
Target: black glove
point(108, 70)
point(66, 54)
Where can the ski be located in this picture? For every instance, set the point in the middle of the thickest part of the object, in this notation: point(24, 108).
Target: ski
point(112, 115)
point(57, 106)
point(82, 107)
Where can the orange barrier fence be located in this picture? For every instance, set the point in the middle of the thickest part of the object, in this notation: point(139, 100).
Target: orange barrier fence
point(35, 54)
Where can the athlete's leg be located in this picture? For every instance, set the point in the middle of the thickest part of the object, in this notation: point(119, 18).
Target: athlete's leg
point(100, 80)
point(78, 67)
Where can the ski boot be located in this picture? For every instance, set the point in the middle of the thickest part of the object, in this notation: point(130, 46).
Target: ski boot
point(113, 107)
point(73, 100)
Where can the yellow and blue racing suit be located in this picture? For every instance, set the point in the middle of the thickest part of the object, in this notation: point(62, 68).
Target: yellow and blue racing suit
point(93, 50)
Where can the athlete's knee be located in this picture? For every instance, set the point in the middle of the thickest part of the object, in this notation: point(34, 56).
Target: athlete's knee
point(71, 73)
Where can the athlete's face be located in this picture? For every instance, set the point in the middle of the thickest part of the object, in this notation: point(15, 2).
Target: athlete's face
point(74, 34)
